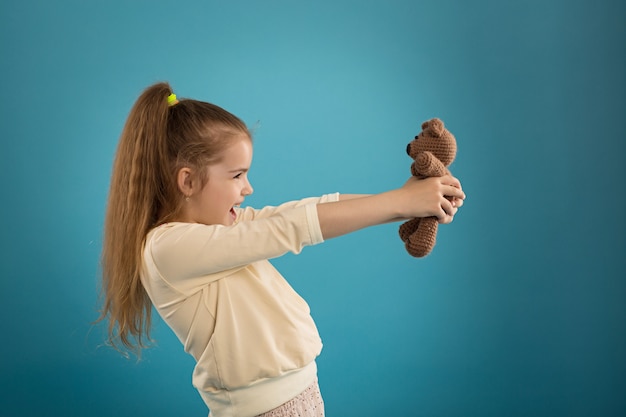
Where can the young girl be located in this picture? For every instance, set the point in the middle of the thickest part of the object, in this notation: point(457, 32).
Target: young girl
point(176, 237)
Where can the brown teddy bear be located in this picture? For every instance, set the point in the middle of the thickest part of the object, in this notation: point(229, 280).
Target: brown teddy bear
point(432, 150)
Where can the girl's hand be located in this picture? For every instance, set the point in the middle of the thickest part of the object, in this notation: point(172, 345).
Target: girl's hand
point(435, 196)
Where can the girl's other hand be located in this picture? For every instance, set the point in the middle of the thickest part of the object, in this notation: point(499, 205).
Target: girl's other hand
point(435, 196)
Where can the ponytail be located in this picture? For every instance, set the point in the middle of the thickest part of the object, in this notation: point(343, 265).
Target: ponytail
point(160, 137)
point(131, 211)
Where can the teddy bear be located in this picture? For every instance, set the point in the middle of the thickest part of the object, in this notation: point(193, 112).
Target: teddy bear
point(432, 151)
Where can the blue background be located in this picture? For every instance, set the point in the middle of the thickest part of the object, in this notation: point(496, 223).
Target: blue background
point(519, 311)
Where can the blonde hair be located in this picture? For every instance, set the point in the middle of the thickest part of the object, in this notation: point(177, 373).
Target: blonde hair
point(158, 139)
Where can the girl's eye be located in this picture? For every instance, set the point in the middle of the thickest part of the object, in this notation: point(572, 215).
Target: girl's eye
point(238, 175)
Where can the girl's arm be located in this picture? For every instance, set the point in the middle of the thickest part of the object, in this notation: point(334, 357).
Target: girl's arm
point(343, 197)
point(416, 198)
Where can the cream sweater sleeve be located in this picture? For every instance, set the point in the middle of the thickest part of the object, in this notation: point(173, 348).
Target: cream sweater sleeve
point(250, 213)
point(190, 255)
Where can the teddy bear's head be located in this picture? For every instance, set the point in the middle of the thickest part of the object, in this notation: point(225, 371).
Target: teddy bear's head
point(434, 138)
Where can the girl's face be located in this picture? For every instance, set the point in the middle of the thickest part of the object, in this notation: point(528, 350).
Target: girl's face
point(227, 186)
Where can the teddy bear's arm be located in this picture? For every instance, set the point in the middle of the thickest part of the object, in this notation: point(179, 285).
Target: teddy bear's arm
point(426, 164)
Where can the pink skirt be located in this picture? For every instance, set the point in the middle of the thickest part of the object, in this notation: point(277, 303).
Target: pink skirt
point(308, 403)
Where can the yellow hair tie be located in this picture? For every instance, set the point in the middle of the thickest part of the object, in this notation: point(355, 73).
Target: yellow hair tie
point(171, 99)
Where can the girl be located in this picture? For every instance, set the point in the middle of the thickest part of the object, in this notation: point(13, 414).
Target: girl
point(176, 237)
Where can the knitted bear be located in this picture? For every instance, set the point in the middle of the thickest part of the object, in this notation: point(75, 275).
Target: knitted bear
point(432, 150)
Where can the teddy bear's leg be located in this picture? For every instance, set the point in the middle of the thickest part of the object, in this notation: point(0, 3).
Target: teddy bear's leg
point(422, 241)
point(407, 228)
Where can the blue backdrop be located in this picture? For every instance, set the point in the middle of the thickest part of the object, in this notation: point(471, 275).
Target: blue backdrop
point(519, 311)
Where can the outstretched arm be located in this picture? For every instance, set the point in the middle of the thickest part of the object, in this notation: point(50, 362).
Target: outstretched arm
point(416, 198)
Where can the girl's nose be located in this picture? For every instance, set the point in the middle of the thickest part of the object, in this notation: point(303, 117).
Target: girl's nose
point(247, 190)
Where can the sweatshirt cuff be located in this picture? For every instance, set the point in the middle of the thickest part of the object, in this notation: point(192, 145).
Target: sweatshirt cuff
point(313, 220)
point(329, 198)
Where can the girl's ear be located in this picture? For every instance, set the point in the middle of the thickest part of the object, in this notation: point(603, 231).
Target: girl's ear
point(185, 181)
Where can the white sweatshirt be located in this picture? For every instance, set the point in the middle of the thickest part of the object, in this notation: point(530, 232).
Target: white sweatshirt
point(251, 334)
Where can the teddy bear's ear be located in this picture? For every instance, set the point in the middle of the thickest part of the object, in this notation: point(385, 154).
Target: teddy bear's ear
point(437, 127)
point(425, 124)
